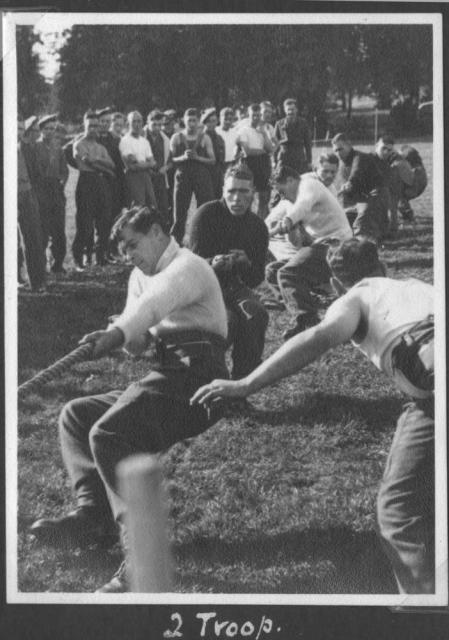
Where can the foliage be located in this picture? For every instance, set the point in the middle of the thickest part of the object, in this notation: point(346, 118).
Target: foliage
point(180, 65)
point(33, 92)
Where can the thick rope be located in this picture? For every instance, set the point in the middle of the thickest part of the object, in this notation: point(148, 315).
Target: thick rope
point(54, 370)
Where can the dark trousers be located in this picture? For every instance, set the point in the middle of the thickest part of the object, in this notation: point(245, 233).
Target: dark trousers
point(405, 503)
point(161, 195)
point(372, 216)
point(31, 232)
point(93, 209)
point(51, 198)
point(194, 179)
point(217, 177)
point(247, 325)
point(296, 278)
point(151, 415)
point(139, 189)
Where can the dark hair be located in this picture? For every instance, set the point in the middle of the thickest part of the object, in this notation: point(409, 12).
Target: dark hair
point(386, 139)
point(332, 158)
point(266, 103)
point(90, 115)
point(240, 171)
point(411, 155)
point(282, 173)
point(188, 113)
point(290, 101)
point(340, 137)
point(139, 219)
point(226, 110)
point(353, 260)
point(254, 106)
point(155, 115)
point(116, 115)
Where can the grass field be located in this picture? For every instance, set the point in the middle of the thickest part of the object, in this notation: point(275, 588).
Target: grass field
point(279, 499)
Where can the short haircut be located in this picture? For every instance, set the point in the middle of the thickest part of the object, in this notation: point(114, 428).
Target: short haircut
point(266, 103)
point(340, 137)
point(191, 113)
point(139, 219)
point(386, 139)
point(130, 115)
point(332, 158)
point(117, 116)
point(226, 111)
point(240, 171)
point(90, 115)
point(282, 173)
point(254, 106)
point(155, 115)
point(353, 260)
point(289, 102)
point(411, 155)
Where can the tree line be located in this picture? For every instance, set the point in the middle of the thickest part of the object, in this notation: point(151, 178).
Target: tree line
point(178, 66)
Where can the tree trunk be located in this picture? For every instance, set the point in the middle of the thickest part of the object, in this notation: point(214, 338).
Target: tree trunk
point(349, 105)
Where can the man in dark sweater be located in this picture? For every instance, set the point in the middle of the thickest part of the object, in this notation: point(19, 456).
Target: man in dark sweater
point(235, 241)
point(364, 191)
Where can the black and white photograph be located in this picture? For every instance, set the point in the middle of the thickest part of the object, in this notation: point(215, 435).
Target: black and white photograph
point(224, 282)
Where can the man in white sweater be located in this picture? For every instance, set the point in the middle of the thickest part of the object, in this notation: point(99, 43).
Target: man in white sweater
point(391, 323)
point(311, 217)
point(175, 301)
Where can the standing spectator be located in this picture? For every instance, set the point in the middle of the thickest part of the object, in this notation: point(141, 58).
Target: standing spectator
point(294, 139)
point(53, 175)
point(138, 160)
point(229, 134)
point(110, 135)
point(29, 221)
point(209, 120)
point(312, 217)
point(192, 153)
point(234, 241)
point(266, 116)
point(364, 193)
point(255, 148)
point(169, 127)
point(160, 148)
point(93, 205)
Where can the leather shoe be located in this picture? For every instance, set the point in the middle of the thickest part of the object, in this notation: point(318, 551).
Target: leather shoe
point(79, 528)
point(118, 583)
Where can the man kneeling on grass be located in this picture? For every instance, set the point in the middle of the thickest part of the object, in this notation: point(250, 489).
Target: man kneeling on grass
point(174, 298)
point(391, 322)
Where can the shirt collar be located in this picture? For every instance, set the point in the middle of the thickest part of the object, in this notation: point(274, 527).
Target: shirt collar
point(169, 254)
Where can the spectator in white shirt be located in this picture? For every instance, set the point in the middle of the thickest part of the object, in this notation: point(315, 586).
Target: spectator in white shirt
point(229, 134)
point(138, 160)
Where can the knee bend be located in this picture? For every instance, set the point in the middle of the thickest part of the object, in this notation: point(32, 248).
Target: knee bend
point(70, 415)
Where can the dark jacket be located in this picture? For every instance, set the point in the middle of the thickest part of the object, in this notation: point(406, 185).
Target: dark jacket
point(216, 231)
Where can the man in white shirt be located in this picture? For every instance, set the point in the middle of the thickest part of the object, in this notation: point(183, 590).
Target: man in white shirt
point(138, 160)
point(229, 134)
point(174, 299)
point(255, 148)
point(314, 220)
point(391, 322)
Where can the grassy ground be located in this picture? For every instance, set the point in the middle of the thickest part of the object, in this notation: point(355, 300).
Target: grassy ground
point(279, 499)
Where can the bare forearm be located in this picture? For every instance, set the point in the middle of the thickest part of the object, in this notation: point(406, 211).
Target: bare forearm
point(293, 356)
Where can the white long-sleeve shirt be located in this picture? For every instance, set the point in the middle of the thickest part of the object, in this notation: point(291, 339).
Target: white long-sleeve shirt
point(183, 294)
point(319, 211)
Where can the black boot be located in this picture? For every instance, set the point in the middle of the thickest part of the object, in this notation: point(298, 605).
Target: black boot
point(80, 528)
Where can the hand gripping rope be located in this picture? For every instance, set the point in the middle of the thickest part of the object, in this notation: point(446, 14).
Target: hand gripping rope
point(54, 370)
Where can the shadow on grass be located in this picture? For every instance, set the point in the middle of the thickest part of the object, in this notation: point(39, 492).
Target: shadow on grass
point(354, 561)
point(378, 413)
